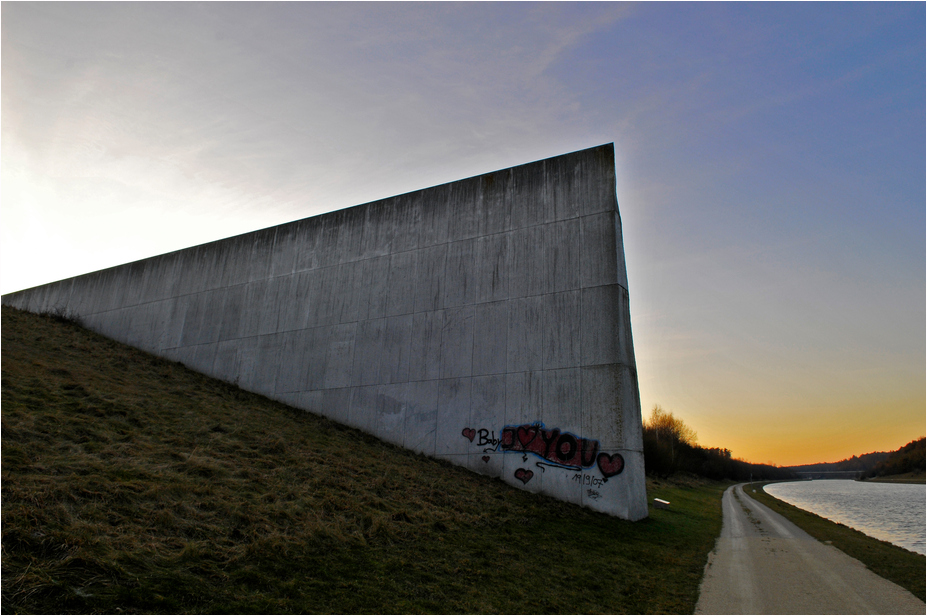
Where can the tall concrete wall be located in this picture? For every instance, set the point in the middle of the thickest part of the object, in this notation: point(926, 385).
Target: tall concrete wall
point(484, 322)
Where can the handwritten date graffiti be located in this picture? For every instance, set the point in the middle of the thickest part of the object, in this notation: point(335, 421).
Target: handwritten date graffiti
point(589, 480)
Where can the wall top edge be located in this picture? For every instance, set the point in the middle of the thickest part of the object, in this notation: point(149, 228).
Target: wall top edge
point(605, 150)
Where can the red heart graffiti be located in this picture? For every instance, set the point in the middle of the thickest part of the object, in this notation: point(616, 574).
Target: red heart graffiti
point(485, 458)
point(527, 434)
point(524, 475)
point(610, 464)
point(469, 433)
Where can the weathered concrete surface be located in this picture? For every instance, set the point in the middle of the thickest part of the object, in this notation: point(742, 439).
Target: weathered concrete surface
point(483, 321)
point(764, 564)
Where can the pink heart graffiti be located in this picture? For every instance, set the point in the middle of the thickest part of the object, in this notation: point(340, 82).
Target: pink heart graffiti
point(485, 458)
point(469, 433)
point(524, 475)
point(526, 434)
point(610, 464)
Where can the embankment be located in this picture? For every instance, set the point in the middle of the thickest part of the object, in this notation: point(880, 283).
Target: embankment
point(133, 484)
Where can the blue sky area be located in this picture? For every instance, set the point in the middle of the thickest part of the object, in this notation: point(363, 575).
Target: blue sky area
point(770, 164)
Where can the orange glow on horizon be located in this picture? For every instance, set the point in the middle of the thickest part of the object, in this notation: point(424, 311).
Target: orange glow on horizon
point(813, 438)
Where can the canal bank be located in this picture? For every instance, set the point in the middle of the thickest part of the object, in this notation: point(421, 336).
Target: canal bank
point(901, 566)
point(765, 564)
point(892, 512)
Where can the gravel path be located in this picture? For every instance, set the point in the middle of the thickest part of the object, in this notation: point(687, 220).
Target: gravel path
point(764, 564)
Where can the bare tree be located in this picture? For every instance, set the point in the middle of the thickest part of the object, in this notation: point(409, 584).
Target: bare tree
point(663, 434)
point(668, 427)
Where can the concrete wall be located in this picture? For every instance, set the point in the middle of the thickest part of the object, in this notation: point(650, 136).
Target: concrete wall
point(484, 322)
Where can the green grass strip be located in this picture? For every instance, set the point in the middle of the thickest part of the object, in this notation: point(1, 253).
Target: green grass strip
point(903, 567)
point(131, 484)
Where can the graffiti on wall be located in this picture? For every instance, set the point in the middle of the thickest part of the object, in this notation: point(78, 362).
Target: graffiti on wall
point(554, 448)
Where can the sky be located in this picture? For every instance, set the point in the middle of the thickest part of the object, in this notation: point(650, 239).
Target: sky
point(770, 167)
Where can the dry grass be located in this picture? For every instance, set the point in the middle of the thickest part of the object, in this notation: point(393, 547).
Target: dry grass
point(913, 477)
point(131, 484)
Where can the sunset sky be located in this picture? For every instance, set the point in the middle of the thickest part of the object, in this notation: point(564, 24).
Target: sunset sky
point(770, 164)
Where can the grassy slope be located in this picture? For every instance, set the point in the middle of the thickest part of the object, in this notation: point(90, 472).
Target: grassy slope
point(132, 484)
point(905, 568)
point(915, 477)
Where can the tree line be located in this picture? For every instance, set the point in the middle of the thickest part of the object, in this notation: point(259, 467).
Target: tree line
point(670, 446)
point(909, 459)
point(864, 462)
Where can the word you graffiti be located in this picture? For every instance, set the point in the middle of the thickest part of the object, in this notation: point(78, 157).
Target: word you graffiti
point(555, 448)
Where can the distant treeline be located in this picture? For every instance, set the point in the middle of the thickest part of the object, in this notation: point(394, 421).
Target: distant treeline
point(909, 459)
point(670, 447)
point(865, 462)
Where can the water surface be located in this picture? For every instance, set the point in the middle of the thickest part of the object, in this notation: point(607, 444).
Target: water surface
point(893, 512)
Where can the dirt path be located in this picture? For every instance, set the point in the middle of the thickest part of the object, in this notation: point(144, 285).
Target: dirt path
point(764, 564)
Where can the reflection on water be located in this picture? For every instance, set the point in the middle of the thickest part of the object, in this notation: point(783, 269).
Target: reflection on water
point(893, 512)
